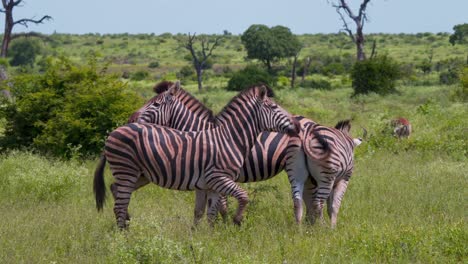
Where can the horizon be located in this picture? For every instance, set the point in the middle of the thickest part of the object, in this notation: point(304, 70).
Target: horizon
point(212, 17)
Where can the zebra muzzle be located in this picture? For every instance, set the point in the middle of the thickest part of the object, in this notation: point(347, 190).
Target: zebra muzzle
point(294, 128)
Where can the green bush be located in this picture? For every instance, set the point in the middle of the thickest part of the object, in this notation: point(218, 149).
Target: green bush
point(317, 84)
point(376, 75)
point(153, 64)
point(186, 72)
point(23, 51)
point(139, 75)
point(462, 93)
point(449, 77)
point(68, 110)
point(248, 76)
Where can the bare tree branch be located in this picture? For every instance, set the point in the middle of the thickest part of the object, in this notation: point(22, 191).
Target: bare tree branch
point(25, 21)
point(359, 20)
point(200, 59)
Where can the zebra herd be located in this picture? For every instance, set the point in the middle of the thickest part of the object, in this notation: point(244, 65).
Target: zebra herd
point(176, 142)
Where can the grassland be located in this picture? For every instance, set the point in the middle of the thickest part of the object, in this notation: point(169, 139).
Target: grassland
point(406, 202)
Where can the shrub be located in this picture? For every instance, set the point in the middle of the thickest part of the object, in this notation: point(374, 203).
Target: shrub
point(462, 93)
point(376, 75)
point(317, 84)
point(153, 64)
point(24, 51)
point(449, 77)
point(283, 81)
point(139, 75)
point(248, 76)
point(185, 72)
point(67, 110)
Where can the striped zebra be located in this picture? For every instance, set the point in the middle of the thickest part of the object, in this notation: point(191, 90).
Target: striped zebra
point(205, 160)
point(401, 127)
point(326, 178)
point(271, 153)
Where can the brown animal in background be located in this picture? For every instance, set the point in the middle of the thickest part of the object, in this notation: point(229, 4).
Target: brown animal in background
point(401, 128)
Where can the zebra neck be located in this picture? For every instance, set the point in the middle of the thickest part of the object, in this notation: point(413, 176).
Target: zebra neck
point(239, 129)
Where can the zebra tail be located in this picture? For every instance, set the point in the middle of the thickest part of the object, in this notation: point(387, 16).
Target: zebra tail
point(99, 184)
point(325, 146)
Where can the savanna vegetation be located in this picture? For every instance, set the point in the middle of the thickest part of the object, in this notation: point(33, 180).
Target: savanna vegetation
point(406, 199)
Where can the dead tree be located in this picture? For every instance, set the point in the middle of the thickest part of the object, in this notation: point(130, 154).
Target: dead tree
point(359, 20)
point(199, 58)
point(8, 6)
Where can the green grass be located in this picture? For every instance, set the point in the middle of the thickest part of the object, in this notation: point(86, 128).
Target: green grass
point(406, 202)
point(398, 208)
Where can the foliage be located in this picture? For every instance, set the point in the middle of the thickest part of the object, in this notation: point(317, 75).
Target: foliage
point(67, 110)
point(185, 72)
point(139, 75)
point(462, 93)
point(449, 77)
point(376, 75)
point(153, 64)
point(460, 34)
point(23, 51)
point(270, 44)
point(317, 84)
point(249, 76)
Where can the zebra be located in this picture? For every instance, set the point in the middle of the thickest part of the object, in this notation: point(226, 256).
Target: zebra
point(401, 127)
point(326, 178)
point(205, 160)
point(269, 156)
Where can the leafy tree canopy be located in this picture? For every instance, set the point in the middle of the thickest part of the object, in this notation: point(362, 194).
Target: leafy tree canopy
point(270, 44)
point(460, 36)
point(23, 51)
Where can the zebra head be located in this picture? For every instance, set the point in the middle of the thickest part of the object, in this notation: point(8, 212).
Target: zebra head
point(159, 109)
point(272, 116)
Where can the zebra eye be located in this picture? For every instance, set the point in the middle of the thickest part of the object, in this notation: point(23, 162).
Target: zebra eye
point(156, 104)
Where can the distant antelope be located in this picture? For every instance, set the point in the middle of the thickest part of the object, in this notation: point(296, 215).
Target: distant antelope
point(401, 127)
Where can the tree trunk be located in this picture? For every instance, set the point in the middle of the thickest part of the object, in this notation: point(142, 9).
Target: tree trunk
point(7, 32)
point(293, 73)
point(306, 69)
point(199, 77)
point(360, 43)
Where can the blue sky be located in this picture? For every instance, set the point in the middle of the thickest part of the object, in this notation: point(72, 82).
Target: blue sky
point(214, 16)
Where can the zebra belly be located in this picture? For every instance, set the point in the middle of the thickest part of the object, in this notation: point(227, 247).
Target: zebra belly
point(266, 159)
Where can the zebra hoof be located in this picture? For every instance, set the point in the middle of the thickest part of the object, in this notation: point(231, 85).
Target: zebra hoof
point(237, 221)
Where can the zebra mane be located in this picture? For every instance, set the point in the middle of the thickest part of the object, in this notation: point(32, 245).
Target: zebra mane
point(186, 98)
point(246, 92)
point(344, 126)
point(162, 87)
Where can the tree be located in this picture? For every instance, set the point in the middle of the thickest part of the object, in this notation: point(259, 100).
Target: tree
point(359, 20)
point(460, 36)
point(270, 44)
point(24, 52)
point(200, 58)
point(8, 6)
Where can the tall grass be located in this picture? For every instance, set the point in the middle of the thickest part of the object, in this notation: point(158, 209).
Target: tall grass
point(406, 202)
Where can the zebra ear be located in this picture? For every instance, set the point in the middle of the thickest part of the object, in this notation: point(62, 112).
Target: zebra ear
point(174, 89)
point(262, 92)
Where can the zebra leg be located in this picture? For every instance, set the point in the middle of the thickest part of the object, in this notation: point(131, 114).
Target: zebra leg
point(323, 192)
point(296, 168)
point(214, 204)
point(310, 191)
point(222, 207)
point(124, 185)
point(334, 201)
point(226, 186)
point(142, 181)
point(200, 205)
